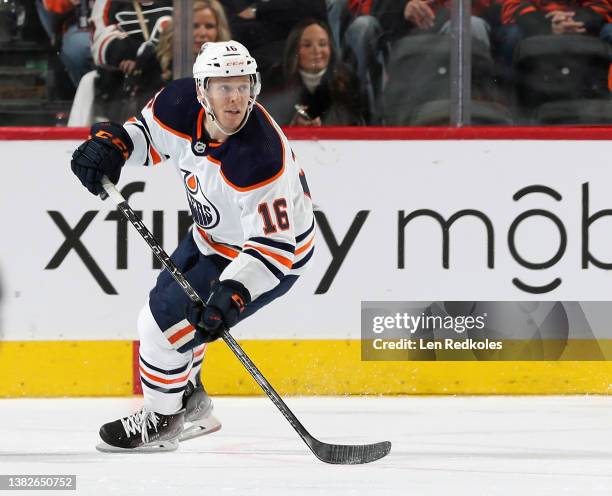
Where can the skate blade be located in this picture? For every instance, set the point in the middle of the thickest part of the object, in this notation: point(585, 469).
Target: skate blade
point(199, 428)
point(155, 447)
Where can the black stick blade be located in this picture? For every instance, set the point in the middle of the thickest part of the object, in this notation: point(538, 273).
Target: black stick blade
point(343, 454)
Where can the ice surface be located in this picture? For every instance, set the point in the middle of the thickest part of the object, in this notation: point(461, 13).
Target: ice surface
point(441, 446)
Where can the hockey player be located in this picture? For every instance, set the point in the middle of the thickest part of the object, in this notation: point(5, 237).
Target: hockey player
point(252, 235)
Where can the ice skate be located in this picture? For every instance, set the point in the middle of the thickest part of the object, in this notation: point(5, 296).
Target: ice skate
point(198, 406)
point(143, 431)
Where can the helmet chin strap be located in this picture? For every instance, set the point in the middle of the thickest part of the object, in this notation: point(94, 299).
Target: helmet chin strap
point(208, 108)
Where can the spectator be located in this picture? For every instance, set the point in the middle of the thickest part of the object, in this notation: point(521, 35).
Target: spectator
point(69, 19)
point(400, 18)
point(209, 24)
point(316, 89)
point(122, 32)
point(153, 67)
point(358, 38)
point(536, 17)
point(263, 25)
point(521, 19)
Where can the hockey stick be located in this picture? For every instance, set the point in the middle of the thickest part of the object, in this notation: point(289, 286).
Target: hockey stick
point(328, 453)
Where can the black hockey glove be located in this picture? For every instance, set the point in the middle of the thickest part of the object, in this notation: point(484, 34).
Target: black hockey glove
point(225, 303)
point(103, 154)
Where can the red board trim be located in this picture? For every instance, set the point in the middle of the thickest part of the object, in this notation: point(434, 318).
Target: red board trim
point(136, 385)
point(365, 133)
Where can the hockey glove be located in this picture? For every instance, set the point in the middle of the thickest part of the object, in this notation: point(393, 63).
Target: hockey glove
point(103, 154)
point(225, 303)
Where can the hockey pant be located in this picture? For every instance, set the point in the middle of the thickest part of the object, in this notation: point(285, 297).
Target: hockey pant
point(170, 352)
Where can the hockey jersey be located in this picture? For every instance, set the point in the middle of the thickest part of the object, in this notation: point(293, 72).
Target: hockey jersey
point(512, 10)
point(117, 31)
point(248, 196)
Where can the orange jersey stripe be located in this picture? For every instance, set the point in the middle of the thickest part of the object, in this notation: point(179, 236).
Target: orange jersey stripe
point(169, 129)
point(302, 249)
point(277, 175)
point(280, 259)
point(154, 155)
point(225, 250)
point(199, 126)
point(255, 186)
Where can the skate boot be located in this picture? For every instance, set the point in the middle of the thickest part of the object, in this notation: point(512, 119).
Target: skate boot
point(142, 431)
point(198, 412)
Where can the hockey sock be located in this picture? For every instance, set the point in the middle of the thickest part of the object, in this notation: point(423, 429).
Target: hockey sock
point(198, 357)
point(163, 388)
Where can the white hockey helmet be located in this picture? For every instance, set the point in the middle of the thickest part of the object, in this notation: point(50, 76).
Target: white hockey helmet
point(225, 59)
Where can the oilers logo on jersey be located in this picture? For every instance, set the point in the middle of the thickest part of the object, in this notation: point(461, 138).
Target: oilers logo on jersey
point(204, 213)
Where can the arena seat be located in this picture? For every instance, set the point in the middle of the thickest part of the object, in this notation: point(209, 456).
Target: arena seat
point(553, 68)
point(419, 72)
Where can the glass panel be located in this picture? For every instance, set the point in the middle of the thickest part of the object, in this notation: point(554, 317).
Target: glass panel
point(133, 66)
point(491, 103)
point(320, 73)
point(417, 83)
point(385, 63)
point(553, 61)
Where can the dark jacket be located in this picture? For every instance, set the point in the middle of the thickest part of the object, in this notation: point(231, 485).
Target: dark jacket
point(390, 14)
point(265, 35)
point(338, 100)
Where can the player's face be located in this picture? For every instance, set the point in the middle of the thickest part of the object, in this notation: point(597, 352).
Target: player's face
point(314, 51)
point(205, 28)
point(229, 99)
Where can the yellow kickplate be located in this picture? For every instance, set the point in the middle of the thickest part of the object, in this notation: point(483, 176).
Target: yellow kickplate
point(302, 367)
point(65, 368)
point(334, 367)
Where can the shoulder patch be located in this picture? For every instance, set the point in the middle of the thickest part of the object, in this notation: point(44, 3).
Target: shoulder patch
point(176, 107)
point(255, 156)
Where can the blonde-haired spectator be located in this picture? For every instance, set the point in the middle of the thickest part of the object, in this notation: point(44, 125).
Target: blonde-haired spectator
point(209, 24)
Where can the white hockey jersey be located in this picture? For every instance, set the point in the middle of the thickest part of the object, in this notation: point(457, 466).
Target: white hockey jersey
point(249, 198)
